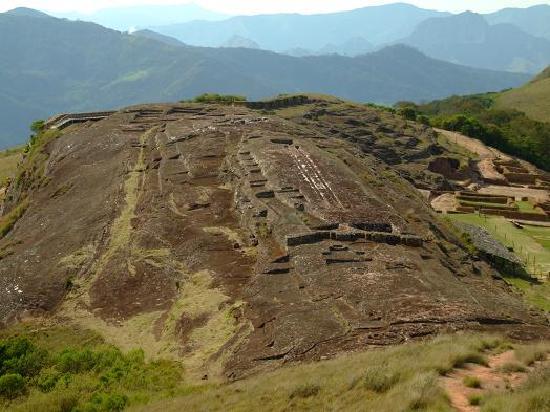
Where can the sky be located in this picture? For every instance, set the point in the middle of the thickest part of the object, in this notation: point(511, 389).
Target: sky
point(238, 7)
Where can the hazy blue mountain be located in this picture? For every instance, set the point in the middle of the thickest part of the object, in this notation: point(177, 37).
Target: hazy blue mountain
point(150, 34)
point(533, 20)
point(127, 18)
point(239, 41)
point(468, 39)
point(26, 12)
point(282, 32)
point(54, 65)
point(353, 47)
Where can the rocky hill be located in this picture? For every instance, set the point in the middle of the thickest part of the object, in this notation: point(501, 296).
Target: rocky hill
point(237, 239)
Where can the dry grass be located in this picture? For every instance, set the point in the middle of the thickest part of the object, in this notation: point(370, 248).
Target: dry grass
point(529, 354)
point(402, 378)
point(8, 221)
point(533, 396)
point(9, 159)
point(471, 382)
point(395, 379)
point(531, 99)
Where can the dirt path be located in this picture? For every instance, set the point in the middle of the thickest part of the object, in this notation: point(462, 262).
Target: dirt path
point(492, 379)
point(472, 145)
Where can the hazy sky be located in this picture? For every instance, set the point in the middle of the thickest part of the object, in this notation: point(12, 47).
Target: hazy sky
point(269, 6)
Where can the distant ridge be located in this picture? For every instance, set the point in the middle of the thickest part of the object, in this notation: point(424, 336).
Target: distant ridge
point(378, 25)
point(470, 40)
point(26, 12)
point(55, 65)
point(150, 34)
point(533, 20)
point(543, 76)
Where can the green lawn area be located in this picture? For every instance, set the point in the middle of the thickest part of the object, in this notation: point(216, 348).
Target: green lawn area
point(537, 294)
point(531, 244)
point(527, 207)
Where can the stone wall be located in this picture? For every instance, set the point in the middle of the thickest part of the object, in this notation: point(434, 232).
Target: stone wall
point(378, 237)
point(534, 217)
point(525, 178)
point(474, 197)
point(279, 103)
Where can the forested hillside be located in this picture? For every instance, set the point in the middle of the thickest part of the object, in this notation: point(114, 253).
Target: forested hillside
point(52, 65)
point(516, 121)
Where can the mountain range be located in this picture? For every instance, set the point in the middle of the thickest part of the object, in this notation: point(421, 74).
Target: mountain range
point(54, 65)
point(140, 17)
point(469, 39)
point(282, 32)
point(515, 40)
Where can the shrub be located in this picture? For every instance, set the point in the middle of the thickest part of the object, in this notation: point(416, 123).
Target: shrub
point(423, 119)
point(305, 391)
point(379, 379)
point(20, 356)
point(424, 393)
point(104, 402)
point(407, 113)
point(218, 98)
point(474, 400)
point(37, 126)
point(47, 380)
point(8, 221)
point(12, 385)
point(464, 358)
point(471, 382)
point(532, 353)
point(512, 367)
point(76, 361)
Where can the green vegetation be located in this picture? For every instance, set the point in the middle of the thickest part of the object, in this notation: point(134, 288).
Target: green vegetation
point(478, 116)
point(8, 221)
point(39, 371)
point(512, 367)
point(531, 244)
point(529, 354)
point(527, 207)
point(471, 382)
point(394, 379)
point(63, 368)
point(533, 98)
point(31, 172)
point(8, 164)
point(534, 395)
point(90, 67)
point(475, 399)
point(218, 98)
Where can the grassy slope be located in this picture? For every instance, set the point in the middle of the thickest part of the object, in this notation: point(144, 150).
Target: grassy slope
point(532, 245)
point(8, 164)
point(403, 378)
point(92, 376)
point(533, 99)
